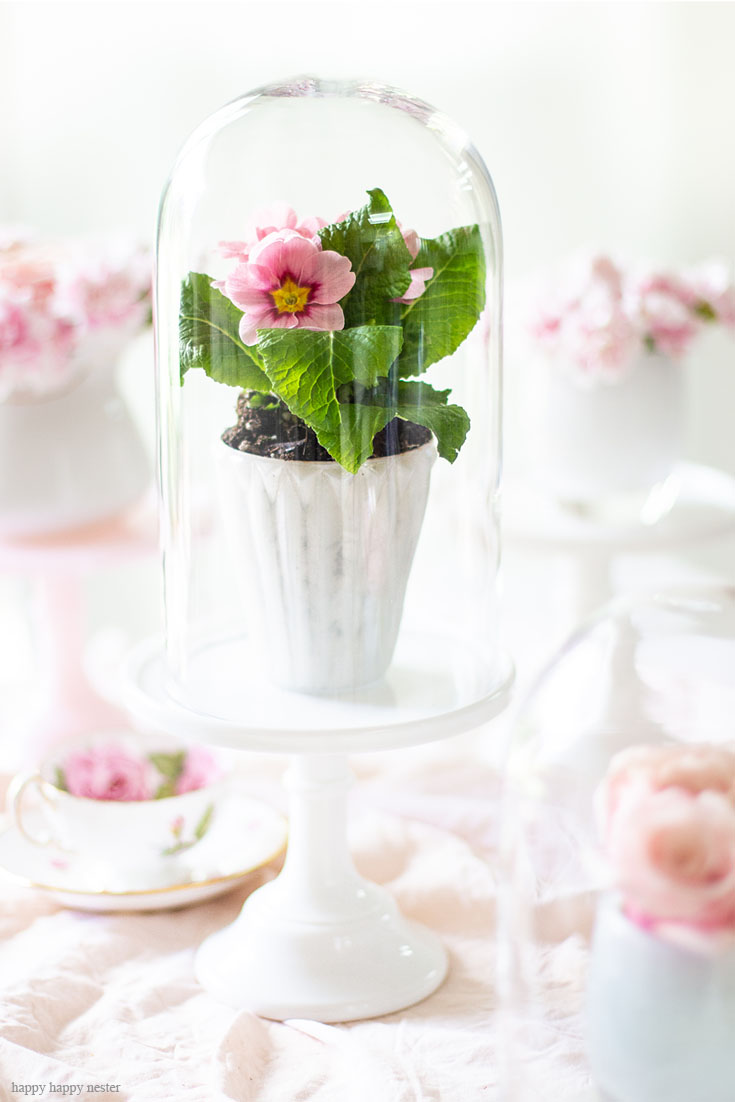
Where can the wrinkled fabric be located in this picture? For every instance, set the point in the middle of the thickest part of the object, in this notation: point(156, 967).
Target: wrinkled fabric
point(112, 999)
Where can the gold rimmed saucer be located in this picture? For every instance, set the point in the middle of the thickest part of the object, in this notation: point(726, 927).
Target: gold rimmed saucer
point(245, 837)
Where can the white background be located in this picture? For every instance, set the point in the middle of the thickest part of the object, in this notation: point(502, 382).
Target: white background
point(608, 125)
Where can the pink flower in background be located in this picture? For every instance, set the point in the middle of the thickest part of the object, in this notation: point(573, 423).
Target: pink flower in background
point(108, 289)
point(593, 317)
point(713, 293)
point(289, 282)
point(272, 219)
point(673, 856)
point(200, 769)
point(52, 297)
point(694, 769)
point(108, 772)
point(662, 309)
point(582, 321)
point(667, 815)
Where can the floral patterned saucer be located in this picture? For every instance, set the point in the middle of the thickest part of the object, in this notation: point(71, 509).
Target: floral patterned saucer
point(245, 836)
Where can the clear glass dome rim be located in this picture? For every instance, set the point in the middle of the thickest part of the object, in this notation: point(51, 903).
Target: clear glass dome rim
point(302, 87)
point(673, 598)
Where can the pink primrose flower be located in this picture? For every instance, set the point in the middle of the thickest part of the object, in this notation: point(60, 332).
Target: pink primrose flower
point(109, 772)
point(287, 283)
point(673, 856)
point(200, 769)
point(272, 219)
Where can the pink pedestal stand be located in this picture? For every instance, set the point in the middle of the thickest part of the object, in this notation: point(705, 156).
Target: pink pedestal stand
point(66, 703)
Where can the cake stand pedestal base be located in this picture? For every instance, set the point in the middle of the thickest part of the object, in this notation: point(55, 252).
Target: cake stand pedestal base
point(320, 942)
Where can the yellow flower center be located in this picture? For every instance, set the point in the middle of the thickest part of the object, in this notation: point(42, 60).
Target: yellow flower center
point(290, 298)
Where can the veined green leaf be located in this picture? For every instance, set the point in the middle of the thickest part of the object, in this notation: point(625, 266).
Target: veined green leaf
point(306, 368)
point(371, 239)
point(436, 323)
point(170, 766)
point(420, 403)
point(209, 337)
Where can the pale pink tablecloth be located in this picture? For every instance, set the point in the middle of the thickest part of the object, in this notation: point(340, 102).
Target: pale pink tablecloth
point(112, 999)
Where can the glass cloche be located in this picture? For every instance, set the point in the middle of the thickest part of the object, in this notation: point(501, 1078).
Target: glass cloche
point(617, 936)
point(328, 351)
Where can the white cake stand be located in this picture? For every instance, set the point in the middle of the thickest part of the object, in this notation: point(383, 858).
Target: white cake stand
point(318, 942)
point(67, 703)
point(702, 509)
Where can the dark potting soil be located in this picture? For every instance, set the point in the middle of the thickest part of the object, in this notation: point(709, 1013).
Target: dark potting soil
point(271, 430)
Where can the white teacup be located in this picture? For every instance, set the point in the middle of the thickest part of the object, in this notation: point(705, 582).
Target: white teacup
point(115, 830)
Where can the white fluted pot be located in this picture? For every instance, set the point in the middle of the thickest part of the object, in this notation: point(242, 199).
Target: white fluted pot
point(324, 558)
point(661, 1019)
point(69, 459)
point(610, 439)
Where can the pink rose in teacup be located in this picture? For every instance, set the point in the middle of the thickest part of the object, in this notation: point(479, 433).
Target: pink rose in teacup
point(108, 772)
point(673, 856)
point(200, 769)
point(127, 802)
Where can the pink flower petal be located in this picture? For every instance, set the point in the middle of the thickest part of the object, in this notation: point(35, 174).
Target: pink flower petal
point(323, 317)
point(417, 286)
point(250, 276)
point(234, 250)
point(299, 256)
point(413, 242)
point(269, 251)
point(334, 276)
point(310, 226)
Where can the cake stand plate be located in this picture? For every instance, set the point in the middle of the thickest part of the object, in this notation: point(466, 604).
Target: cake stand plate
point(436, 688)
point(319, 942)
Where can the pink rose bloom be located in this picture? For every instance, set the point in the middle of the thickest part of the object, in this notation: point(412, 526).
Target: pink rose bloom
point(693, 769)
point(287, 283)
point(109, 287)
point(582, 323)
point(52, 297)
point(673, 856)
point(200, 769)
point(661, 306)
point(108, 772)
point(272, 219)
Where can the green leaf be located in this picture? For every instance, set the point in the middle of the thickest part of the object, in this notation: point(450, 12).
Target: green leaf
point(420, 403)
point(164, 790)
point(60, 779)
point(203, 825)
point(436, 323)
point(306, 368)
point(209, 337)
point(170, 766)
point(371, 239)
point(704, 310)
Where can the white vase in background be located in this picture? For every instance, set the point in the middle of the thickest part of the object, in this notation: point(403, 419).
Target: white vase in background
point(323, 558)
point(660, 1017)
point(604, 443)
point(71, 458)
